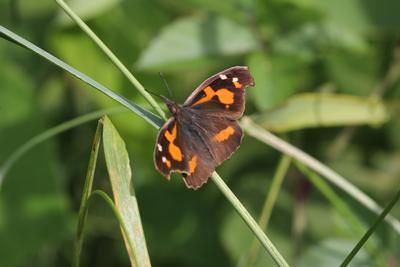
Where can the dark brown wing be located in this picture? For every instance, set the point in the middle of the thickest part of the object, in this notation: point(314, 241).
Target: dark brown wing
point(212, 140)
point(222, 136)
point(168, 153)
point(177, 150)
point(223, 93)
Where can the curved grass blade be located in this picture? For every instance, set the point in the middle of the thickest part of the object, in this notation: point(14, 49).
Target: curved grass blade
point(254, 227)
point(87, 190)
point(357, 227)
point(20, 151)
point(117, 161)
point(268, 138)
point(250, 257)
point(110, 203)
point(371, 230)
point(111, 56)
point(145, 114)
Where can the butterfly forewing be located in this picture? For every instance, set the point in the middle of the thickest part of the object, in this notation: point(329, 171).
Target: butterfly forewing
point(222, 94)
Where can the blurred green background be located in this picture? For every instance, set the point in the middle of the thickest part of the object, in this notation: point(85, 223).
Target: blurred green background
point(346, 47)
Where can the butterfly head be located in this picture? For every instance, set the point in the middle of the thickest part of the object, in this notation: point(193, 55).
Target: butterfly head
point(172, 105)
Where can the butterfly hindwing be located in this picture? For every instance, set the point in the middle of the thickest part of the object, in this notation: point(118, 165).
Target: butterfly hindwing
point(168, 153)
point(221, 136)
point(223, 93)
point(178, 151)
point(211, 141)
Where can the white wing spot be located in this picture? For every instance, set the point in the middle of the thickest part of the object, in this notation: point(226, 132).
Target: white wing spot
point(159, 147)
point(223, 77)
point(235, 79)
point(164, 159)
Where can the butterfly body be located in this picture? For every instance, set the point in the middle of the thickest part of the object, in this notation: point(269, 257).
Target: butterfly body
point(203, 132)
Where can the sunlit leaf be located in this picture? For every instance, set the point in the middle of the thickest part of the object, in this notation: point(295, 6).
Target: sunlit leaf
point(323, 110)
point(122, 185)
point(197, 37)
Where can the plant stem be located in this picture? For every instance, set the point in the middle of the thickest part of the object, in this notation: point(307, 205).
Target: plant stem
point(268, 206)
point(20, 151)
point(268, 138)
point(371, 230)
point(143, 113)
point(111, 56)
point(87, 189)
point(269, 247)
point(120, 220)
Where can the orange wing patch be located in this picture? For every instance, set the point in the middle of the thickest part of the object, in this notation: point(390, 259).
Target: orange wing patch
point(224, 134)
point(173, 150)
point(224, 96)
point(193, 164)
point(237, 85)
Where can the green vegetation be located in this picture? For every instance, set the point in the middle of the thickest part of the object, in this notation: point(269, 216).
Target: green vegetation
point(327, 82)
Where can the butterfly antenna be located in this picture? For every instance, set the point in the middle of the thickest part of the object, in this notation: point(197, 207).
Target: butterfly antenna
point(166, 85)
point(157, 95)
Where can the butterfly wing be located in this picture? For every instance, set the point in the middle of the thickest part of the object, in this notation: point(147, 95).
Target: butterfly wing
point(222, 136)
point(168, 153)
point(222, 94)
point(178, 151)
point(210, 141)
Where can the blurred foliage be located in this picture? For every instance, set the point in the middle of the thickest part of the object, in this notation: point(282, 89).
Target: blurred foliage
point(346, 47)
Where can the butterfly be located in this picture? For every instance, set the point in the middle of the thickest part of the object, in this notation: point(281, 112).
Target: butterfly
point(203, 132)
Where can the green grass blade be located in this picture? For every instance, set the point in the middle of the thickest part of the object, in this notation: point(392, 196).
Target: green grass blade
point(111, 56)
point(87, 189)
point(258, 232)
point(371, 230)
point(110, 203)
point(119, 171)
point(270, 200)
point(332, 197)
point(268, 138)
point(145, 114)
point(356, 226)
point(20, 151)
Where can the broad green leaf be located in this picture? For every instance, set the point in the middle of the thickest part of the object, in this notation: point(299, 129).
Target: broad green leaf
point(354, 72)
point(276, 78)
point(119, 170)
point(323, 110)
point(362, 16)
point(197, 37)
point(86, 9)
point(331, 252)
point(308, 40)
